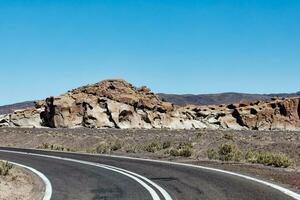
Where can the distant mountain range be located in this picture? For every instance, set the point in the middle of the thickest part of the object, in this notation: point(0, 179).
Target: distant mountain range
point(10, 108)
point(184, 99)
point(221, 98)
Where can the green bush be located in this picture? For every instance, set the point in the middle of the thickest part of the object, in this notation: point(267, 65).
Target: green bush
point(282, 160)
point(152, 147)
point(251, 156)
point(5, 167)
point(230, 152)
point(212, 154)
point(185, 145)
point(270, 159)
point(183, 150)
point(105, 147)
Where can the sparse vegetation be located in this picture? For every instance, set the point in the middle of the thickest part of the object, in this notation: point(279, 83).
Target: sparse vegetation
point(115, 146)
point(230, 152)
point(174, 152)
point(212, 154)
point(156, 146)
point(251, 156)
point(55, 147)
point(166, 145)
point(152, 147)
point(102, 148)
point(269, 159)
point(131, 150)
point(228, 136)
point(106, 147)
point(183, 150)
point(169, 144)
point(5, 168)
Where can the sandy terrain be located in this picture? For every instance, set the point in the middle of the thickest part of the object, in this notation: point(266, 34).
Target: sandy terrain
point(21, 184)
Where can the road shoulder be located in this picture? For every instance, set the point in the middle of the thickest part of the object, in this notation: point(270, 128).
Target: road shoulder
point(22, 184)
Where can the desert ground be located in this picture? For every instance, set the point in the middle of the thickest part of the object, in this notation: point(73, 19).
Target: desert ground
point(20, 183)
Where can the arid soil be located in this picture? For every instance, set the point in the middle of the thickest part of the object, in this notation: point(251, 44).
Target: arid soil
point(20, 184)
point(143, 143)
point(134, 140)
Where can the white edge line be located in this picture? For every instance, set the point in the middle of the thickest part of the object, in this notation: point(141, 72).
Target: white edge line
point(161, 190)
point(129, 174)
point(48, 186)
point(274, 186)
point(151, 191)
point(153, 194)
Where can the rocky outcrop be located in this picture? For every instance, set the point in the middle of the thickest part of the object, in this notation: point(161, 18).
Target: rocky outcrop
point(28, 118)
point(280, 114)
point(108, 104)
point(118, 104)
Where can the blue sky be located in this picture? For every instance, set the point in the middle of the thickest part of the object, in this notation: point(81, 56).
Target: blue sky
point(172, 46)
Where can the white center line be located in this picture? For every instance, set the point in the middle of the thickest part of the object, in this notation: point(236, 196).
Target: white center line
point(136, 177)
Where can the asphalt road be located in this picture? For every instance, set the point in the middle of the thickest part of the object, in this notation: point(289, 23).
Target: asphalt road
point(72, 180)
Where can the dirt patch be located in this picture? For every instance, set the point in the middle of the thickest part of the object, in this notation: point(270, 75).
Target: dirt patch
point(21, 184)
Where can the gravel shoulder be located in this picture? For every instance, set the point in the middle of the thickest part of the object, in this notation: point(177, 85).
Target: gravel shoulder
point(21, 184)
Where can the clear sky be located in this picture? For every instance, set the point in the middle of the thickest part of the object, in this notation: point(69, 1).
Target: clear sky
point(172, 46)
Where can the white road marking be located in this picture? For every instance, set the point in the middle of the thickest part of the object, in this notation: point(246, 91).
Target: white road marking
point(161, 190)
point(48, 186)
point(286, 191)
point(152, 192)
point(272, 185)
point(132, 175)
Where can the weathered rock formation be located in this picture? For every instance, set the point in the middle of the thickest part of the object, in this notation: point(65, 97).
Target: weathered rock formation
point(279, 114)
point(28, 118)
point(118, 104)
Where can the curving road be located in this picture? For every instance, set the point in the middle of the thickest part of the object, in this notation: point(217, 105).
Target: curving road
point(85, 177)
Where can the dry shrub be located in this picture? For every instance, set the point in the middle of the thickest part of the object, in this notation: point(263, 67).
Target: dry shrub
point(5, 168)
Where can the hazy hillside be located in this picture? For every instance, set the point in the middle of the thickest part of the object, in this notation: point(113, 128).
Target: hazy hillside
point(201, 99)
point(222, 98)
point(10, 108)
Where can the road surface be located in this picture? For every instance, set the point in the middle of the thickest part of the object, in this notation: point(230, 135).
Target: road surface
point(73, 180)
